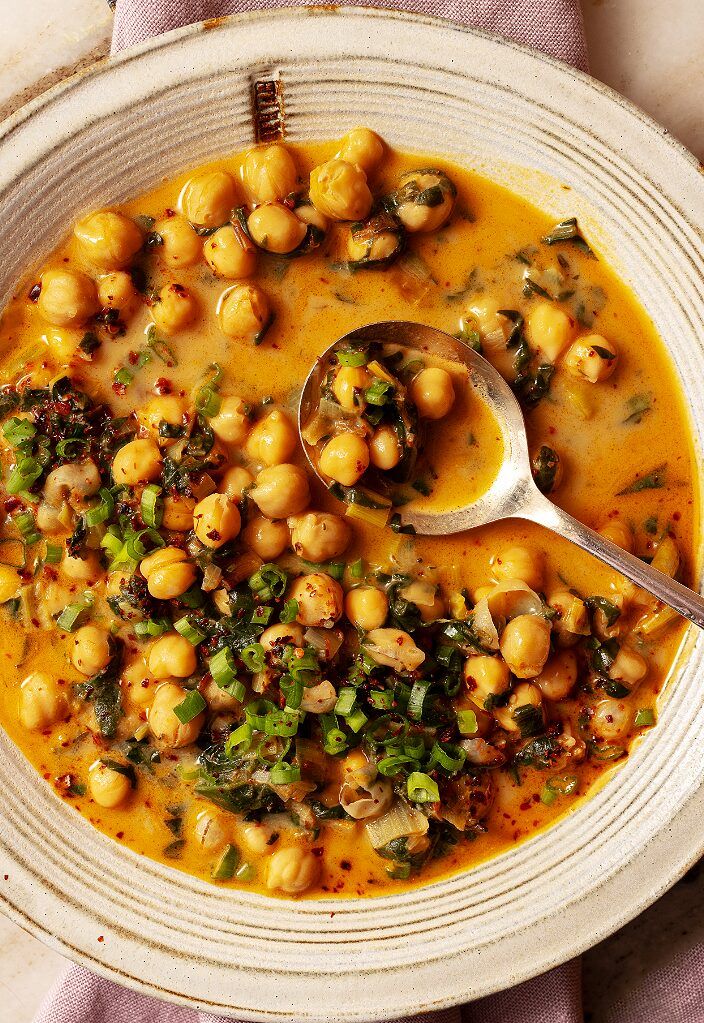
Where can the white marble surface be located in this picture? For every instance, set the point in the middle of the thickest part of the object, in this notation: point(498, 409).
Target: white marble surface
point(653, 53)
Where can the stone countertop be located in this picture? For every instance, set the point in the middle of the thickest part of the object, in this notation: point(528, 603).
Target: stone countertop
point(655, 57)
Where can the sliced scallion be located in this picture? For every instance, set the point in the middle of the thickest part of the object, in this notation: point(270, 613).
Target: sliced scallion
point(284, 774)
point(191, 706)
point(467, 722)
point(102, 511)
point(226, 866)
point(151, 506)
point(189, 631)
point(421, 788)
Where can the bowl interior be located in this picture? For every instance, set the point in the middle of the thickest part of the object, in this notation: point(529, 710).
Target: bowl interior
point(537, 127)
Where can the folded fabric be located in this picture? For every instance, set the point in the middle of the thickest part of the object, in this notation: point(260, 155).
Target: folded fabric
point(556, 28)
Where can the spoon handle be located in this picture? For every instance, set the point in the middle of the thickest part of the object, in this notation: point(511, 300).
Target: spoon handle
point(676, 595)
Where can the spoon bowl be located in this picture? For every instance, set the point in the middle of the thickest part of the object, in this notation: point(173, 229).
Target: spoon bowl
point(512, 493)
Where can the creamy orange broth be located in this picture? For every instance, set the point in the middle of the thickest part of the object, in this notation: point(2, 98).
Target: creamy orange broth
point(315, 304)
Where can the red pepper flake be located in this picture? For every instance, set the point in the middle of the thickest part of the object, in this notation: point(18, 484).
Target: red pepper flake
point(133, 358)
point(345, 865)
point(163, 386)
point(35, 291)
point(120, 834)
point(101, 938)
point(12, 504)
point(317, 850)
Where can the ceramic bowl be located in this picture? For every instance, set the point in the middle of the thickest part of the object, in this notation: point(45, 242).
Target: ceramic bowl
point(566, 143)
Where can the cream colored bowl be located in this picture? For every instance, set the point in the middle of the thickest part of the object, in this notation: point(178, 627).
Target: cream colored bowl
point(539, 127)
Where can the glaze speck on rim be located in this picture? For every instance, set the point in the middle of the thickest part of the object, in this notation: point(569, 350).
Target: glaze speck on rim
point(572, 147)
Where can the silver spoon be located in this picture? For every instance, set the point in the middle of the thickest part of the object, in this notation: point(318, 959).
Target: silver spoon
point(513, 493)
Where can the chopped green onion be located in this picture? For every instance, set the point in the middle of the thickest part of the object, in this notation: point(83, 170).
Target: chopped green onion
point(72, 448)
point(351, 357)
point(256, 714)
point(335, 569)
point(193, 705)
point(345, 701)
point(334, 739)
point(222, 668)
point(225, 868)
point(421, 788)
point(381, 700)
point(448, 756)
point(379, 392)
point(102, 511)
point(645, 718)
point(417, 699)
point(292, 690)
point(151, 627)
point(53, 554)
point(152, 507)
point(558, 785)
point(27, 527)
point(282, 722)
point(239, 741)
point(207, 400)
point(262, 615)
point(17, 430)
point(467, 722)
point(284, 774)
point(72, 614)
point(289, 612)
point(23, 475)
point(189, 631)
point(245, 872)
point(357, 569)
point(357, 720)
point(254, 657)
point(268, 581)
point(123, 377)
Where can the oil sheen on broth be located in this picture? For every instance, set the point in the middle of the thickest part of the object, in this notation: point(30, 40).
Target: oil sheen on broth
point(281, 695)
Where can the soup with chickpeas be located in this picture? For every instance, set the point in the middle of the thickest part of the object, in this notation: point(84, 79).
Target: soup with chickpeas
point(265, 681)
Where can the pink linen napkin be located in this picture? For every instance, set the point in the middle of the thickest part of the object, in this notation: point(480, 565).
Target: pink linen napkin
point(556, 28)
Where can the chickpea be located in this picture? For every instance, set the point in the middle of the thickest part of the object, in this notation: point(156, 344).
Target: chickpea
point(385, 448)
point(559, 675)
point(166, 728)
point(292, 870)
point(269, 174)
point(318, 536)
point(92, 649)
point(418, 215)
point(525, 645)
point(620, 533)
point(572, 619)
point(216, 520)
point(182, 247)
point(67, 298)
point(138, 461)
point(276, 228)
point(231, 422)
point(42, 702)
point(117, 291)
point(169, 409)
point(520, 563)
point(549, 330)
point(175, 310)
point(366, 607)
point(108, 240)
point(432, 392)
point(485, 676)
point(137, 684)
point(178, 513)
point(235, 482)
point(172, 656)
point(273, 439)
point(320, 600)
point(256, 838)
point(63, 342)
point(108, 788)
point(10, 582)
point(266, 538)
point(348, 387)
point(629, 667)
point(229, 255)
point(612, 719)
point(432, 612)
point(208, 198)
point(244, 313)
point(281, 635)
point(591, 358)
point(211, 831)
point(362, 147)
point(169, 573)
point(524, 695)
point(85, 569)
point(365, 248)
point(281, 490)
point(339, 190)
point(345, 458)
